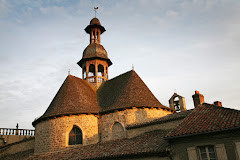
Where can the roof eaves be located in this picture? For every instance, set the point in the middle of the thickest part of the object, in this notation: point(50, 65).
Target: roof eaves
point(158, 121)
point(131, 107)
point(202, 133)
point(40, 119)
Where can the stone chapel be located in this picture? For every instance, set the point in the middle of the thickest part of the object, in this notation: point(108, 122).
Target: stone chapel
point(94, 107)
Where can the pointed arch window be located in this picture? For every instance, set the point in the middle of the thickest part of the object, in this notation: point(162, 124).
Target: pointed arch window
point(118, 131)
point(75, 136)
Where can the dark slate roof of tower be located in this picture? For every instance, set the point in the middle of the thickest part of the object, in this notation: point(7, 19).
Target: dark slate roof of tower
point(77, 96)
point(126, 91)
point(94, 51)
point(207, 118)
point(74, 97)
point(95, 23)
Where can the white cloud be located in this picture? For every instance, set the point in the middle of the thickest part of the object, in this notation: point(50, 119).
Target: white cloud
point(158, 20)
point(19, 21)
point(211, 3)
point(172, 13)
point(4, 8)
point(43, 10)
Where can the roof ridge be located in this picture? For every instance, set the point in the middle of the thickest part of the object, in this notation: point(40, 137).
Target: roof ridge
point(132, 71)
point(84, 81)
point(121, 75)
point(124, 91)
point(74, 83)
point(216, 106)
point(112, 81)
point(130, 76)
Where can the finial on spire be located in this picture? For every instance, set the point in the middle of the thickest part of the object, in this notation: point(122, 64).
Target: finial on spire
point(132, 67)
point(95, 8)
point(68, 71)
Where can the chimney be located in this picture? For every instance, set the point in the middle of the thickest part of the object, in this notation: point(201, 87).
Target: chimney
point(218, 103)
point(197, 99)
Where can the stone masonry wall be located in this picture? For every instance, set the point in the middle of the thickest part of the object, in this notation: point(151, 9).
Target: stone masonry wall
point(162, 126)
point(1, 141)
point(52, 135)
point(127, 117)
point(13, 138)
point(24, 145)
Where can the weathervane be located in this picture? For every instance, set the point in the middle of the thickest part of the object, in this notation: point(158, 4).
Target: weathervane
point(95, 8)
point(68, 71)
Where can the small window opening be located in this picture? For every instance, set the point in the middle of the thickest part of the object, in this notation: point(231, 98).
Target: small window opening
point(207, 153)
point(75, 136)
point(106, 73)
point(176, 104)
point(94, 36)
point(97, 35)
point(100, 70)
point(84, 73)
point(91, 70)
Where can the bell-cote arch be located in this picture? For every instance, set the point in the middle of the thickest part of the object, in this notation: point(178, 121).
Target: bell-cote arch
point(177, 103)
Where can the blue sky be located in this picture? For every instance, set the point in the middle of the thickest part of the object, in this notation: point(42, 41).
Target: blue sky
point(175, 46)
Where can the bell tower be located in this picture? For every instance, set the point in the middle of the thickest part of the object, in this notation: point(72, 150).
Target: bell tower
point(95, 61)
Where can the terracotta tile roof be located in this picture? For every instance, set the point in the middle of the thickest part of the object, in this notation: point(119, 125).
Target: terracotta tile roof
point(126, 91)
point(207, 118)
point(23, 155)
point(75, 96)
point(152, 142)
point(94, 50)
point(167, 118)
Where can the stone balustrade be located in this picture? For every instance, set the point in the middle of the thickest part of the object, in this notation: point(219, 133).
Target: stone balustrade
point(14, 131)
point(94, 79)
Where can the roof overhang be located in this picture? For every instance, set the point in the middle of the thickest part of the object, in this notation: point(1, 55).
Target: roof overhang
point(83, 60)
point(89, 27)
